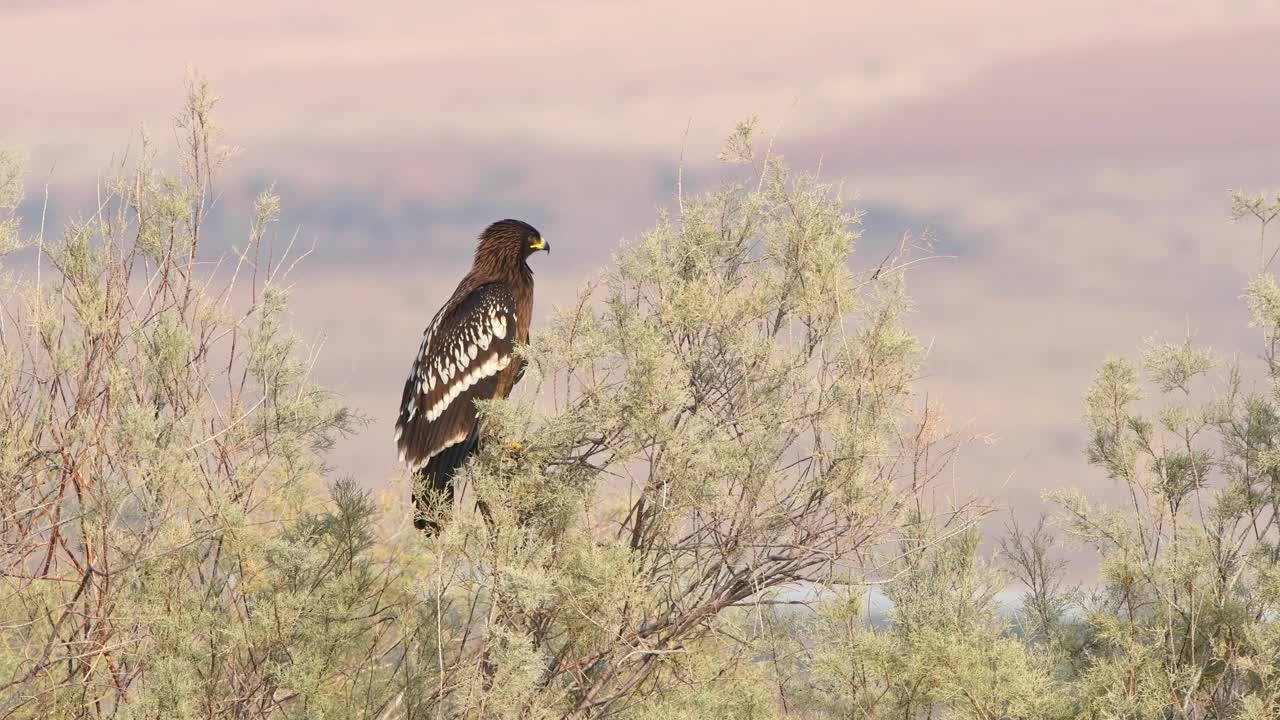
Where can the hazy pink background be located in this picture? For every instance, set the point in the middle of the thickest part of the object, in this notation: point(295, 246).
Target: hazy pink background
point(1074, 157)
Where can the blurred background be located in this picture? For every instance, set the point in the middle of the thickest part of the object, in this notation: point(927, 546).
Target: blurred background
point(1072, 159)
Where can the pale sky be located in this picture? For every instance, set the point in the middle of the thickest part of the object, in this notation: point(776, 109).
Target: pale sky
point(609, 75)
point(1074, 157)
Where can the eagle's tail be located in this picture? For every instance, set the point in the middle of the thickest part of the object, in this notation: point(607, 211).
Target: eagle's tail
point(433, 484)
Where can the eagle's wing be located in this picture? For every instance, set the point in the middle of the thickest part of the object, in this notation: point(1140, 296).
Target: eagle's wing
point(464, 350)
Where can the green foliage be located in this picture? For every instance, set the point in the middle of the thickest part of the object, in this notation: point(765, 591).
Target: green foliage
point(725, 473)
point(730, 407)
point(1182, 621)
point(167, 551)
point(730, 416)
point(946, 650)
point(10, 196)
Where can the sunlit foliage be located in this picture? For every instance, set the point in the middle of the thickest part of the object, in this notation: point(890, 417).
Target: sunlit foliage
point(713, 499)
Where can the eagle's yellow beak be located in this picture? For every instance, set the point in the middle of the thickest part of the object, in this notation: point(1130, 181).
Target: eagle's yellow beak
point(540, 244)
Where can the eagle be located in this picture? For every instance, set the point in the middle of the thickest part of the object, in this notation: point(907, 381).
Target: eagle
point(467, 354)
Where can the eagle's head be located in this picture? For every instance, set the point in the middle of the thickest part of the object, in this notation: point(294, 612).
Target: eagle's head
point(509, 242)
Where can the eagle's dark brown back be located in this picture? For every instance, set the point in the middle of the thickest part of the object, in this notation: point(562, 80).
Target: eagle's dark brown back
point(467, 354)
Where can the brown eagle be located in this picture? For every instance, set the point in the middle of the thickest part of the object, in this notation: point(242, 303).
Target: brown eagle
point(467, 354)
